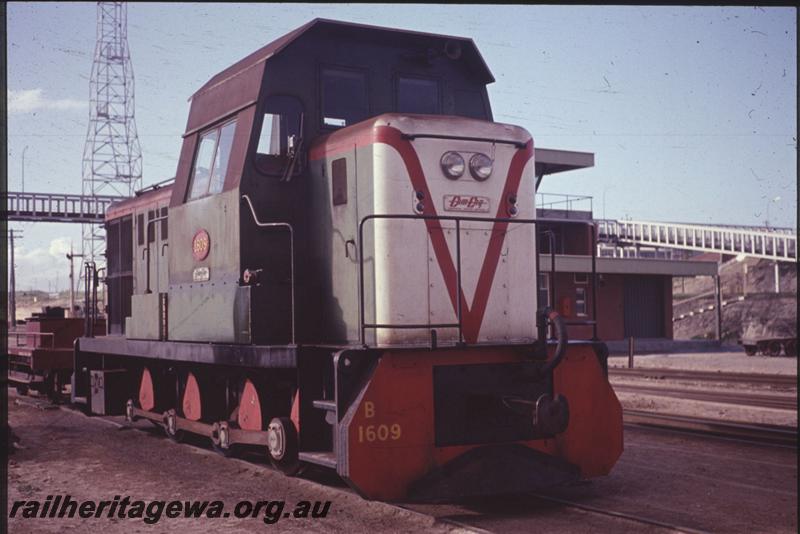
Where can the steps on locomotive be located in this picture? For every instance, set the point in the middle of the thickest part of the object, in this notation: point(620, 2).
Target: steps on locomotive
point(330, 407)
point(324, 458)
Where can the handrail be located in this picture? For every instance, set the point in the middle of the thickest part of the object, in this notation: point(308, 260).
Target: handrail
point(147, 248)
point(153, 187)
point(20, 333)
point(363, 325)
point(291, 250)
point(90, 298)
point(542, 201)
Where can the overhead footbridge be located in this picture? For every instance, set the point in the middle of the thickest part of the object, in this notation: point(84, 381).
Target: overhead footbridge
point(56, 207)
point(778, 244)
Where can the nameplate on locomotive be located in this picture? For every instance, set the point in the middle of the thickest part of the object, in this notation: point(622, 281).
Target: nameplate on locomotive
point(201, 274)
point(471, 203)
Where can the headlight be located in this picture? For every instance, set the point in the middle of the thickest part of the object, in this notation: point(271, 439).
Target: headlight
point(452, 165)
point(480, 165)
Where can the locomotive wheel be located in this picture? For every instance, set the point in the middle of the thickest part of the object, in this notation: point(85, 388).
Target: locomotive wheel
point(791, 348)
point(22, 389)
point(774, 348)
point(283, 448)
point(171, 426)
point(763, 347)
point(221, 439)
point(750, 350)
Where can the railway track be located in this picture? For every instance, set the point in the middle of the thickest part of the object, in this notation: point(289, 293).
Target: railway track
point(635, 518)
point(724, 397)
point(740, 432)
point(749, 432)
point(777, 381)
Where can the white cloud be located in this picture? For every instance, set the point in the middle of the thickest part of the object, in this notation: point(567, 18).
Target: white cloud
point(59, 247)
point(42, 264)
point(27, 100)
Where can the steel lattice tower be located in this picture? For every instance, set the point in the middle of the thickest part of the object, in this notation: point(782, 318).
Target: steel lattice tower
point(112, 158)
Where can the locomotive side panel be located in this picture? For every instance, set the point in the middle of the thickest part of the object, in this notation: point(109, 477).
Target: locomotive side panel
point(204, 271)
point(137, 268)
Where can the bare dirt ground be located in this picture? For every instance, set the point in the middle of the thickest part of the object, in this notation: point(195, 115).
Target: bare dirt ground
point(708, 410)
point(680, 480)
point(685, 483)
point(91, 459)
point(727, 362)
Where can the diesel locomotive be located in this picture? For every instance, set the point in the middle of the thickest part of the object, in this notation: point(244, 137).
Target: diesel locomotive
point(344, 273)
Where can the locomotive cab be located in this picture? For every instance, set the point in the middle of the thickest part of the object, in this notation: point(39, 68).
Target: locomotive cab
point(245, 160)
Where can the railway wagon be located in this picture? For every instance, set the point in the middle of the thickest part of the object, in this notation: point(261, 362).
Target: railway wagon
point(776, 337)
point(40, 352)
point(344, 274)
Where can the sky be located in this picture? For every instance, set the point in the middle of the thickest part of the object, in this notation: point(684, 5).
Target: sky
point(691, 112)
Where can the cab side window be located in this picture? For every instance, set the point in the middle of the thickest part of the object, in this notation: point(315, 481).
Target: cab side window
point(280, 135)
point(211, 161)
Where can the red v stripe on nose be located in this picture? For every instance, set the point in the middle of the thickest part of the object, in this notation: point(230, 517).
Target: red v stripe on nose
point(472, 315)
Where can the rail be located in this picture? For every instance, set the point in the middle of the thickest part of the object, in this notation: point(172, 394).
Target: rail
point(56, 207)
point(777, 402)
point(759, 433)
point(363, 325)
point(291, 249)
point(758, 243)
point(771, 380)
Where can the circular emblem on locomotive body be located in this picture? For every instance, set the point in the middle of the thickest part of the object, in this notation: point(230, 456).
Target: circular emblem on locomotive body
point(201, 245)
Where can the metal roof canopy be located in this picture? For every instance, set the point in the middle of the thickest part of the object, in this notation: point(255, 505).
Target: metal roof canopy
point(552, 161)
point(583, 264)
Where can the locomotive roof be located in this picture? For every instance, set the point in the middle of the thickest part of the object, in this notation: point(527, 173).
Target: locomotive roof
point(334, 28)
point(130, 205)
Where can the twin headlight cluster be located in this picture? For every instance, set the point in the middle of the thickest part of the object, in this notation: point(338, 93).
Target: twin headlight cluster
point(453, 166)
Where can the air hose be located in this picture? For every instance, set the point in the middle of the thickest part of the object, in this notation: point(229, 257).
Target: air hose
point(548, 315)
